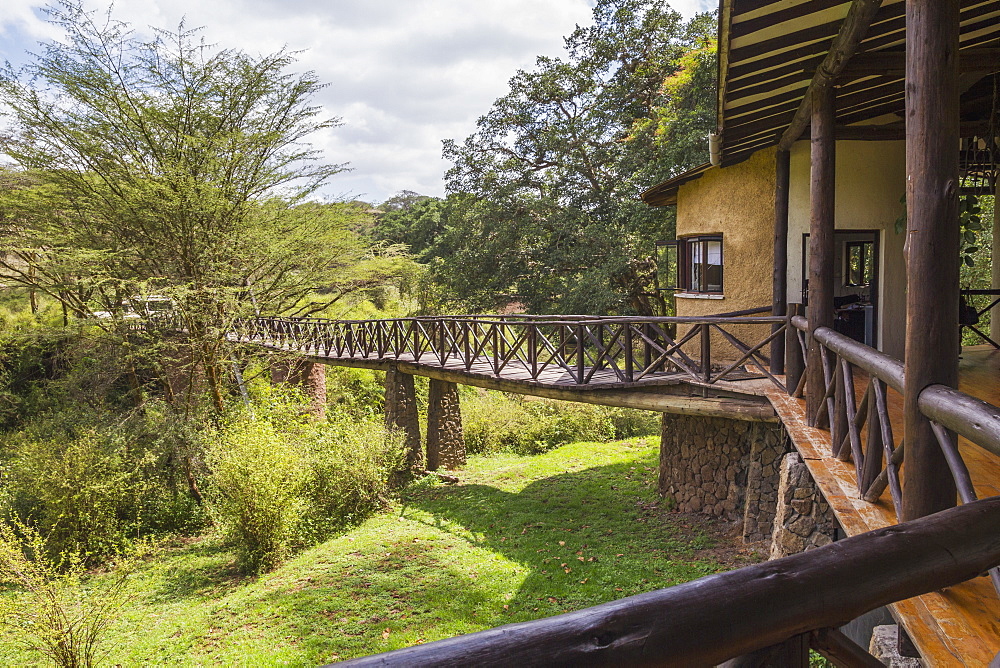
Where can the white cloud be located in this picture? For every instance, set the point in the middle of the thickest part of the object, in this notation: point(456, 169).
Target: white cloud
point(403, 74)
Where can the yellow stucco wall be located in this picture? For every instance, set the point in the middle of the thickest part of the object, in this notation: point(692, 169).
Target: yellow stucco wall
point(871, 179)
point(737, 202)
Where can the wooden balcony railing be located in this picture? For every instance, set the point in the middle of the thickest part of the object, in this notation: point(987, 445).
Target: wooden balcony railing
point(878, 459)
point(631, 349)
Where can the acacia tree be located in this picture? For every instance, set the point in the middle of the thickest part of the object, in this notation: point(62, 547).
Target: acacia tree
point(166, 165)
point(554, 169)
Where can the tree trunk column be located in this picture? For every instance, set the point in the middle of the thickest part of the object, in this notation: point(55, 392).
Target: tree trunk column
point(932, 243)
point(401, 415)
point(995, 269)
point(779, 299)
point(821, 239)
point(445, 444)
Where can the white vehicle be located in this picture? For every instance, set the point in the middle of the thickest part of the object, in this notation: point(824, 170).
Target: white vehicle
point(141, 307)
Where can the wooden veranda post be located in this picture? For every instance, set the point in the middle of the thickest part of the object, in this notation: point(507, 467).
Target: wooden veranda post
point(779, 298)
point(932, 262)
point(821, 251)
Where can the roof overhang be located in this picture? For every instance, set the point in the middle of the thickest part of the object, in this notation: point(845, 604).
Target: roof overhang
point(769, 52)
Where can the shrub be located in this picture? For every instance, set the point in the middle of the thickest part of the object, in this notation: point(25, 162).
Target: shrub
point(50, 611)
point(74, 489)
point(630, 422)
point(258, 477)
point(350, 462)
point(493, 421)
point(279, 481)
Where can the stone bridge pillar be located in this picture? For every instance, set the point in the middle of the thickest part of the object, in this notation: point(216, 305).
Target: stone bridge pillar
point(445, 443)
point(309, 376)
point(401, 415)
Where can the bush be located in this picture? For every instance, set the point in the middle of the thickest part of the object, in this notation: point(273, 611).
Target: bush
point(279, 481)
point(92, 482)
point(74, 490)
point(493, 422)
point(630, 422)
point(350, 463)
point(49, 610)
point(258, 476)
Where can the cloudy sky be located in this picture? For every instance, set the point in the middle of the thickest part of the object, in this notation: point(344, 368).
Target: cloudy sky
point(403, 74)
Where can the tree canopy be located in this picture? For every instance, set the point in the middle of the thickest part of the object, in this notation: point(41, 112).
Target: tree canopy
point(549, 181)
point(167, 166)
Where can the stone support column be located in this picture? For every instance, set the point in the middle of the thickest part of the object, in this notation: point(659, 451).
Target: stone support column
point(723, 468)
point(401, 415)
point(445, 443)
point(803, 519)
point(309, 376)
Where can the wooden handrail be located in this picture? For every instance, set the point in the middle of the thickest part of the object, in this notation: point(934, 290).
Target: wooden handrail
point(722, 616)
point(632, 349)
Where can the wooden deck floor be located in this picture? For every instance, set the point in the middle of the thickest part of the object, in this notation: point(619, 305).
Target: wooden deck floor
point(958, 626)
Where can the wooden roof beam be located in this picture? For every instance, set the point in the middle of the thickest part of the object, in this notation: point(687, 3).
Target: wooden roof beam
point(893, 63)
point(843, 47)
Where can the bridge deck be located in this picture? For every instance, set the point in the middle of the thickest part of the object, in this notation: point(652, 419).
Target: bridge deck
point(958, 626)
point(518, 371)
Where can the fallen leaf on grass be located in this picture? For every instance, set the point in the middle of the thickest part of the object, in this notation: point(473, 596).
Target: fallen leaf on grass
point(385, 634)
point(562, 542)
point(584, 581)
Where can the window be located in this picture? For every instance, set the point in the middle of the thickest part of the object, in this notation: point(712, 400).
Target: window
point(859, 258)
point(666, 265)
point(694, 264)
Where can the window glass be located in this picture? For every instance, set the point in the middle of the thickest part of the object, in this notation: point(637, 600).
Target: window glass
point(701, 262)
point(860, 263)
point(713, 265)
point(667, 266)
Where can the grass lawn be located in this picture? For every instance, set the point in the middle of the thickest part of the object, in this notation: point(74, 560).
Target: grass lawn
point(517, 539)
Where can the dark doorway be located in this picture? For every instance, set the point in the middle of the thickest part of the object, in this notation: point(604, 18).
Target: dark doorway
point(856, 277)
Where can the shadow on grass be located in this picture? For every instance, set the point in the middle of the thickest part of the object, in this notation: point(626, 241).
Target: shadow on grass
point(199, 568)
point(587, 537)
point(561, 543)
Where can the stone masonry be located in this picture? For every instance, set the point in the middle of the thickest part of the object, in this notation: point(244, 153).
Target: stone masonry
point(803, 519)
point(401, 415)
point(309, 376)
point(445, 443)
point(723, 468)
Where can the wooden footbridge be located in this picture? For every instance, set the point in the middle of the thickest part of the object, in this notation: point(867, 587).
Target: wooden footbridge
point(852, 442)
point(692, 365)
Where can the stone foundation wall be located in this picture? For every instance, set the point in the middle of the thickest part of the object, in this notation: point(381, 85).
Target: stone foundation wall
point(803, 519)
point(723, 468)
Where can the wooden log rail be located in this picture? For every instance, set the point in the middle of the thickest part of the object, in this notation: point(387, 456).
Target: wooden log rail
point(878, 459)
point(802, 598)
point(632, 349)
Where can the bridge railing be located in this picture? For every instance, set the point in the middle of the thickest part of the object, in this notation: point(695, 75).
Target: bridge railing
point(588, 349)
point(863, 431)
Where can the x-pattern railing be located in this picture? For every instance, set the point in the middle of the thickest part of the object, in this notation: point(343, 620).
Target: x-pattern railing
point(876, 451)
point(588, 349)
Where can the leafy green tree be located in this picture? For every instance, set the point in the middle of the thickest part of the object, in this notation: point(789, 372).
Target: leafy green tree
point(551, 217)
point(166, 166)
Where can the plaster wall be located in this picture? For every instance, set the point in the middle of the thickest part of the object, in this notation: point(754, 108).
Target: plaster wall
point(737, 202)
point(870, 182)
